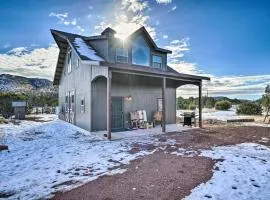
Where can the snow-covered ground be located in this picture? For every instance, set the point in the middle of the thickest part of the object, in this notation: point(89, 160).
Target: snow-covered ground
point(55, 155)
point(244, 174)
point(213, 114)
point(217, 115)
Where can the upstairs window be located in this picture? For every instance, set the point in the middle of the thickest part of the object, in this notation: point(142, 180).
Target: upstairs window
point(140, 52)
point(69, 61)
point(82, 105)
point(121, 55)
point(157, 62)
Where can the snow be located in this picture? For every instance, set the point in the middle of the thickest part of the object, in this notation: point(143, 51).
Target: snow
point(52, 156)
point(244, 173)
point(220, 115)
point(19, 51)
point(213, 114)
point(86, 50)
point(144, 132)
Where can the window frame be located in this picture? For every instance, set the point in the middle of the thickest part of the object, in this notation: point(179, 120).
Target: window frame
point(160, 104)
point(82, 106)
point(116, 55)
point(154, 55)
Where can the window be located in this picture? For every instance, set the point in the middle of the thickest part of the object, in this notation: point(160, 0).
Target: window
point(82, 105)
point(121, 55)
point(66, 102)
point(140, 52)
point(78, 62)
point(160, 104)
point(157, 62)
point(72, 107)
point(69, 61)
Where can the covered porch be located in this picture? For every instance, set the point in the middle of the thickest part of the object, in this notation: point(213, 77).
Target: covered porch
point(165, 83)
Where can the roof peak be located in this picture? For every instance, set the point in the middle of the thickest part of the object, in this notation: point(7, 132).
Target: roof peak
point(108, 32)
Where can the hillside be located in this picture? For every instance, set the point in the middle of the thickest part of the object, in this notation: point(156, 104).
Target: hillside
point(11, 83)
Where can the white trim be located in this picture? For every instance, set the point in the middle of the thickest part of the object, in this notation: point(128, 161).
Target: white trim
point(90, 62)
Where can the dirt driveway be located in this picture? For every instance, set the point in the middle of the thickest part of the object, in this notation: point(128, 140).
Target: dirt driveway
point(163, 175)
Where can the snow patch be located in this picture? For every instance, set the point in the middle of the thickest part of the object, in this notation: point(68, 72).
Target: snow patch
point(56, 155)
point(244, 173)
point(86, 50)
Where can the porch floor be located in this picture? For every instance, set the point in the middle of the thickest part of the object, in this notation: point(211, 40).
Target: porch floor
point(141, 132)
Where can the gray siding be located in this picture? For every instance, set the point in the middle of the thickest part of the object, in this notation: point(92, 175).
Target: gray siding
point(99, 104)
point(144, 91)
point(78, 80)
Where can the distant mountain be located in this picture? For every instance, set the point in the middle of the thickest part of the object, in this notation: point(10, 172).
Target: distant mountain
point(11, 83)
point(19, 51)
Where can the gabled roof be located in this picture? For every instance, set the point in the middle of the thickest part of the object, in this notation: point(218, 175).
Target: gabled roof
point(80, 45)
point(144, 32)
point(87, 53)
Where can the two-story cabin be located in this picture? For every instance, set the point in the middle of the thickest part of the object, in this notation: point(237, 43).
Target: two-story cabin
point(102, 79)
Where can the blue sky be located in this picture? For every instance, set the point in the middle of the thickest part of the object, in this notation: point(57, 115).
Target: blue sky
point(227, 40)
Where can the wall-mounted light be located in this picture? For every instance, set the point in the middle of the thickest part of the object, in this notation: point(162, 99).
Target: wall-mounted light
point(128, 98)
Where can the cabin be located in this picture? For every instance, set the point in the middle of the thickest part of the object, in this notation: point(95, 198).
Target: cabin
point(102, 79)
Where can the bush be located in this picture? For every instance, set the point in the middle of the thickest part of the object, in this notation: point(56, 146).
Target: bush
point(249, 108)
point(223, 105)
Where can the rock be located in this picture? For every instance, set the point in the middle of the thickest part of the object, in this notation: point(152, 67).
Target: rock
point(3, 147)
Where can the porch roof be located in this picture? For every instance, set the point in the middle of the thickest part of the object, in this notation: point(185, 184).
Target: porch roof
point(148, 71)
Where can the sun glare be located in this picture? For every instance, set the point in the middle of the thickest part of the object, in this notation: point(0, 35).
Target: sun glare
point(123, 30)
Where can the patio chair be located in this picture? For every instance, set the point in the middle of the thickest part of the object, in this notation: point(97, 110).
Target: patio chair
point(189, 118)
point(134, 118)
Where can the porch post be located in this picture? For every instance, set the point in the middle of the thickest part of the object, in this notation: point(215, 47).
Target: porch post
point(200, 104)
point(164, 105)
point(109, 103)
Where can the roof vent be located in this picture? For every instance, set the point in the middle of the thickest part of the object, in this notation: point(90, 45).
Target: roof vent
point(108, 32)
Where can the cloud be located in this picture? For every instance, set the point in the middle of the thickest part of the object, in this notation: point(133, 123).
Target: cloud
point(164, 1)
point(178, 48)
point(128, 17)
point(63, 18)
point(90, 7)
point(40, 62)
point(249, 87)
point(232, 86)
point(174, 8)
point(165, 36)
point(134, 5)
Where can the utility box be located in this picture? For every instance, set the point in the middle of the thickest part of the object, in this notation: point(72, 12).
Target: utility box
point(19, 109)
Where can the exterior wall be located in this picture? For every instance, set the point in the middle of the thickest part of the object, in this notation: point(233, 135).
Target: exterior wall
point(19, 112)
point(79, 81)
point(144, 92)
point(99, 104)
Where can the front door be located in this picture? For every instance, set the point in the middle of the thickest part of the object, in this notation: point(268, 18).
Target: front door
point(117, 114)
